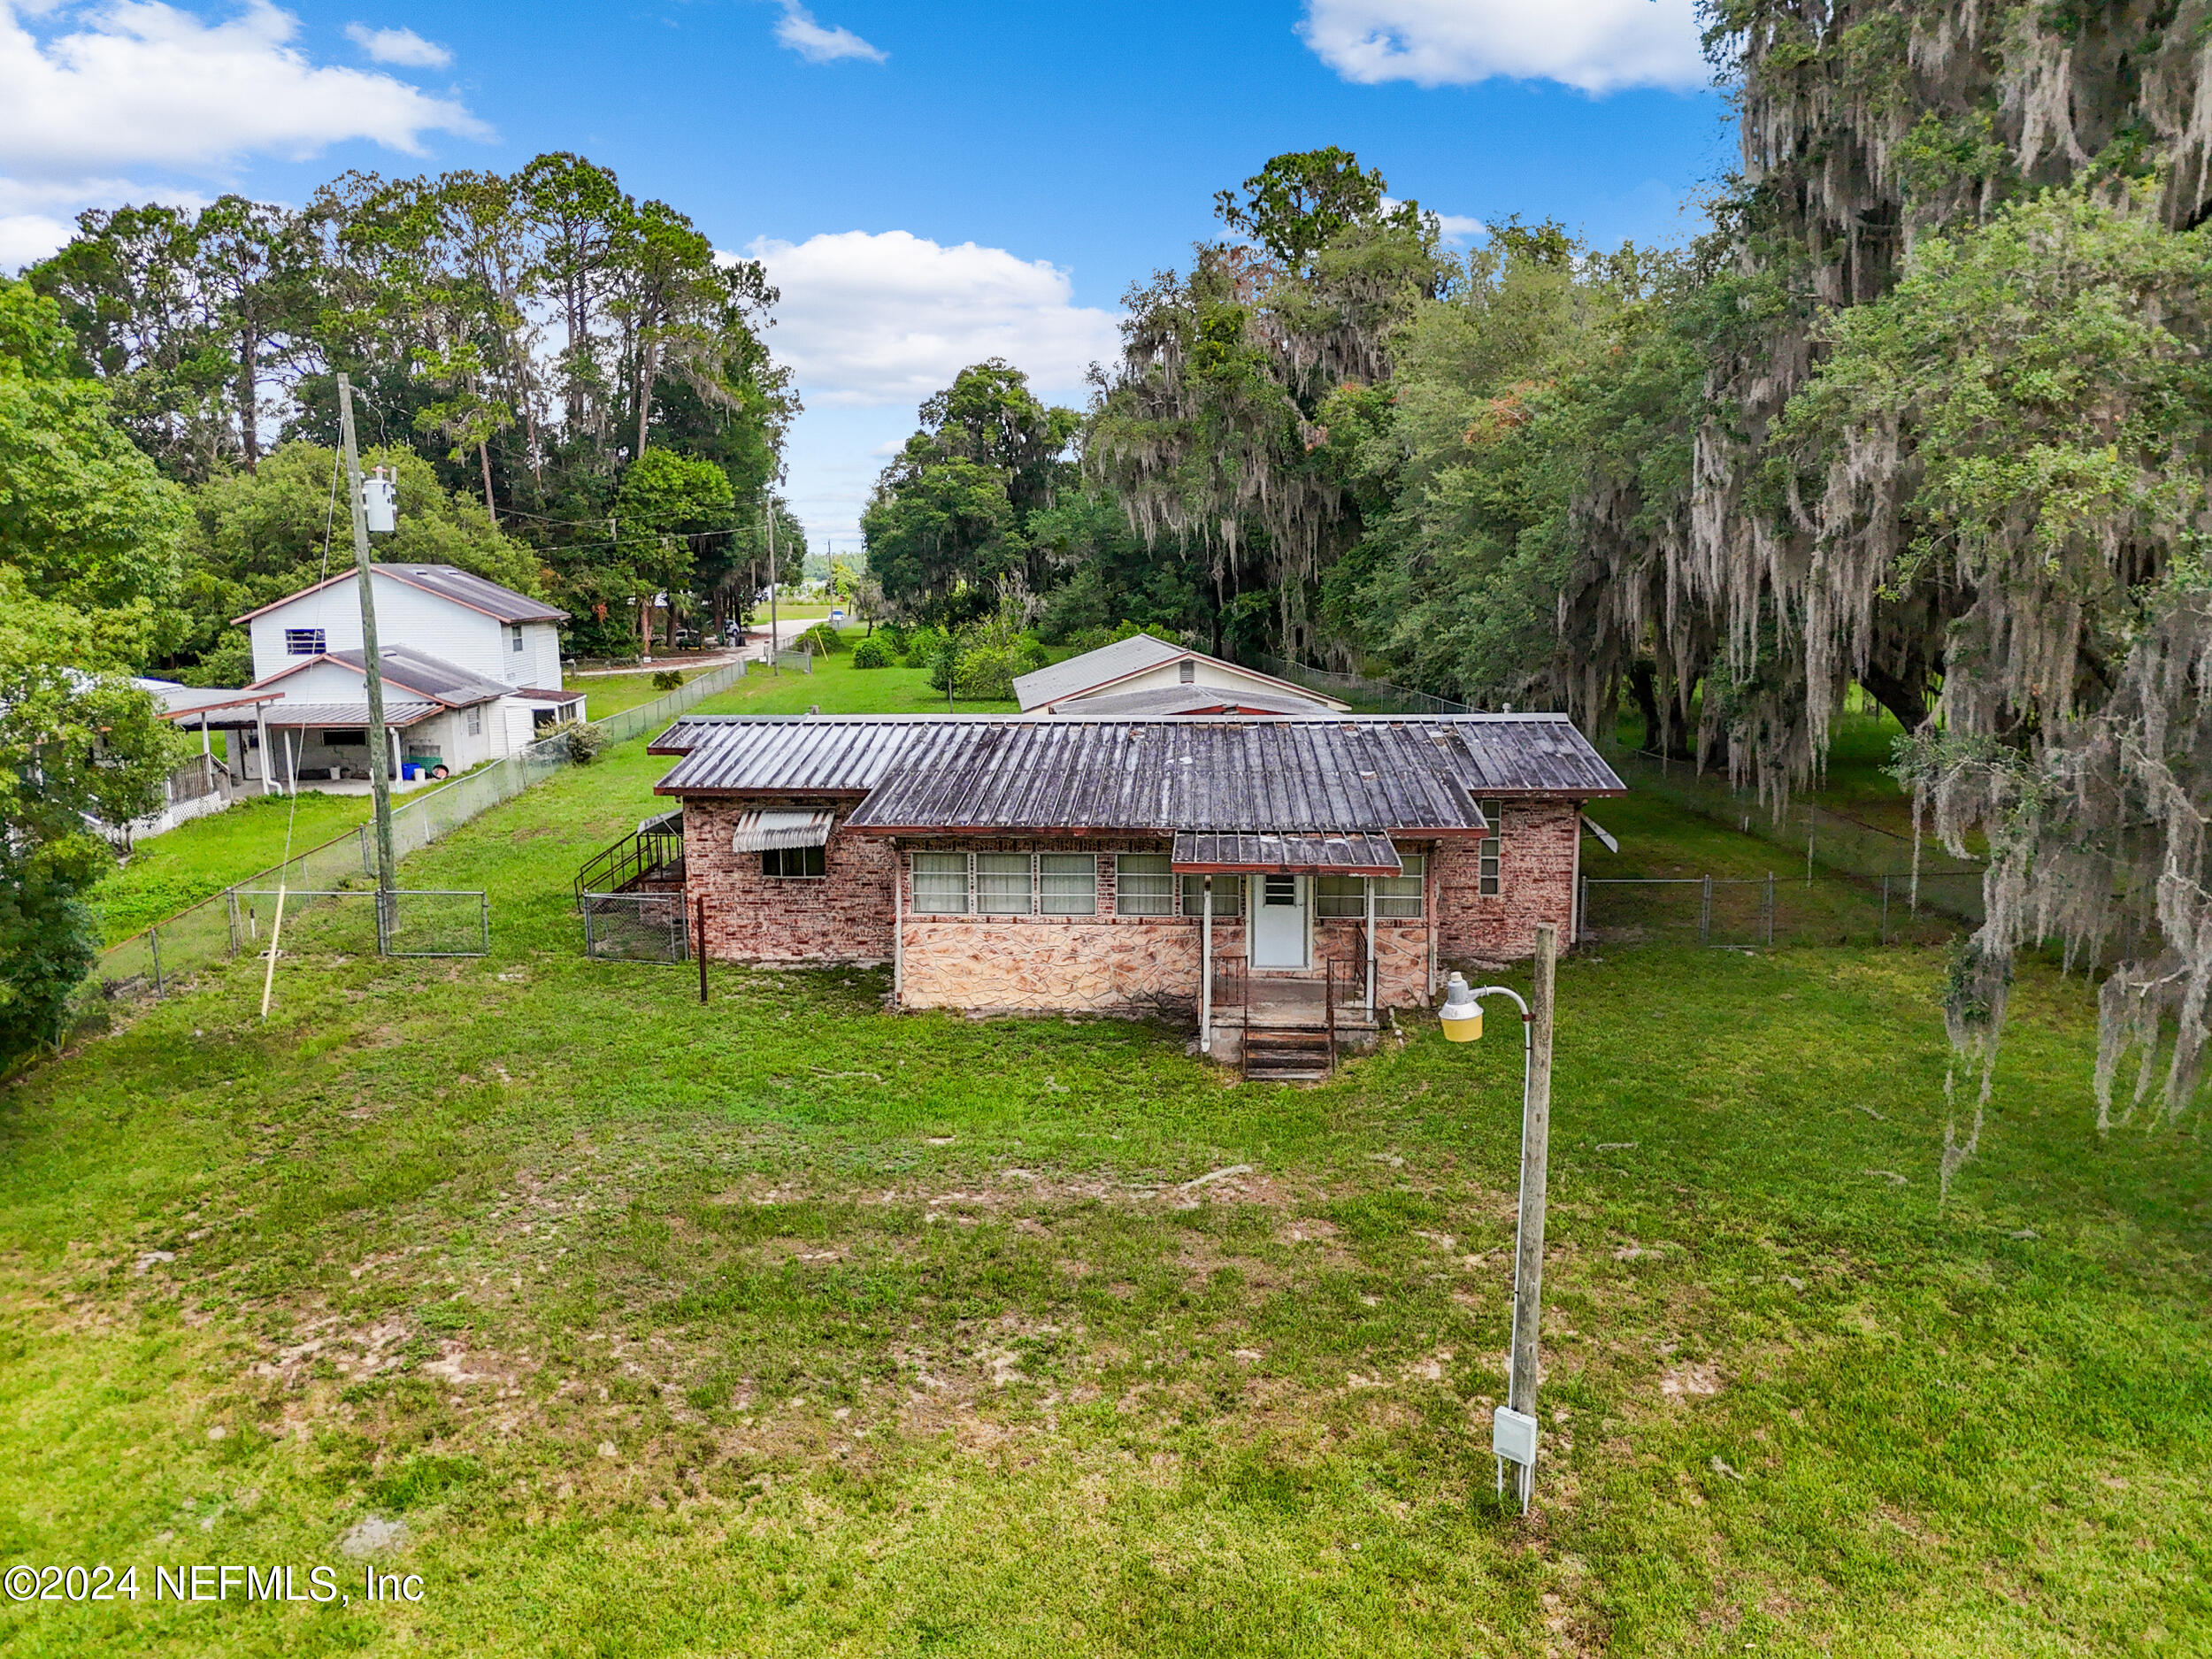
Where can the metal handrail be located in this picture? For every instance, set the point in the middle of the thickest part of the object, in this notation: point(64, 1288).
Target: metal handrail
point(636, 857)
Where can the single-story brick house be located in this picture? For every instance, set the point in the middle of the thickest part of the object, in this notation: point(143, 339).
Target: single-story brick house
point(1195, 865)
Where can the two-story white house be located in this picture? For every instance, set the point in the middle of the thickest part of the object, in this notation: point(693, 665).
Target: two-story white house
point(472, 672)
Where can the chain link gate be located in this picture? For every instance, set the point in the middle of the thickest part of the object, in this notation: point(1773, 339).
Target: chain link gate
point(636, 926)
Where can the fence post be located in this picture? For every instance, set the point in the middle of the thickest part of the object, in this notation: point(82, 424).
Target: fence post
point(230, 896)
point(153, 945)
point(699, 948)
point(1770, 907)
point(1884, 936)
point(1705, 914)
point(484, 901)
point(1809, 847)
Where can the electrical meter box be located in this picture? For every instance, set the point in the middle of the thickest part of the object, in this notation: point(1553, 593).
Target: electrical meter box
point(1513, 1436)
point(379, 503)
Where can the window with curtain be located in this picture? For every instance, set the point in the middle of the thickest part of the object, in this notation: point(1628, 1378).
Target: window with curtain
point(1001, 884)
point(1492, 848)
point(941, 884)
point(1398, 898)
point(1067, 884)
point(1143, 885)
point(1340, 898)
point(1228, 896)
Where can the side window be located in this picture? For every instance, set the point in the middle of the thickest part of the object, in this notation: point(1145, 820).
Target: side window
point(304, 643)
point(1187, 673)
point(514, 634)
point(1340, 898)
point(1398, 898)
point(941, 884)
point(1001, 884)
point(799, 864)
point(1143, 885)
point(1228, 896)
point(476, 721)
point(1492, 847)
point(1067, 884)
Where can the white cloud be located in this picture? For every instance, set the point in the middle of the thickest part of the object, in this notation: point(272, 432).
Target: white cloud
point(403, 47)
point(798, 30)
point(134, 83)
point(884, 319)
point(1598, 46)
point(1459, 227)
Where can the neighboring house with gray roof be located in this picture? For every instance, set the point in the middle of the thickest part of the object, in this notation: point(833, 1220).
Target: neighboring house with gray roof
point(1142, 664)
point(472, 672)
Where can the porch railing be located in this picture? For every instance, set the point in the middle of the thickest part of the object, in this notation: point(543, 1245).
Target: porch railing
point(657, 848)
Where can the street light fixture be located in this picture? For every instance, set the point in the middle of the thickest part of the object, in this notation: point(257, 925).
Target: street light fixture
point(1513, 1425)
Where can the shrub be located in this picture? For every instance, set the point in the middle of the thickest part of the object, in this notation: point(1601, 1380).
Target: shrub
point(822, 639)
point(986, 672)
point(923, 647)
point(585, 739)
point(667, 679)
point(873, 652)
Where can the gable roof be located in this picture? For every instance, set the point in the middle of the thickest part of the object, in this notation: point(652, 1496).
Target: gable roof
point(1192, 699)
point(995, 773)
point(408, 670)
point(1109, 664)
point(503, 605)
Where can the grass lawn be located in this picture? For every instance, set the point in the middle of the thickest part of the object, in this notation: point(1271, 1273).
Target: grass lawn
point(786, 1325)
point(169, 872)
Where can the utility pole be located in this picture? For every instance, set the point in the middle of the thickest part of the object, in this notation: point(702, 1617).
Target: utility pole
point(371, 670)
point(1528, 1249)
point(774, 643)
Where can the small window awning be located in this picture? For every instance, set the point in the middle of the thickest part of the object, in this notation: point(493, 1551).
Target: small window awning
point(772, 832)
point(1327, 853)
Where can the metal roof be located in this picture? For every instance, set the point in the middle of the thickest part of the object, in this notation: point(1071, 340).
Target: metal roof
point(430, 676)
point(1191, 699)
point(990, 773)
point(503, 605)
point(774, 832)
point(397, 712)
point(1356, 854)
point(1123, 658)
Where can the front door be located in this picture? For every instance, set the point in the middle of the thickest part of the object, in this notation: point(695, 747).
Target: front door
point(1278, 922)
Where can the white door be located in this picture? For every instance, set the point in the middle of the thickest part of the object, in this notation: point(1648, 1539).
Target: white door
point(1278, 922)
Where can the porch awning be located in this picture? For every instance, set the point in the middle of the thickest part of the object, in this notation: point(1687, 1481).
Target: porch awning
point(772, 832)
point(1329, 853)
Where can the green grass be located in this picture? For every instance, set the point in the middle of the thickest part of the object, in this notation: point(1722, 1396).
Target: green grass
point(169, 872)
point(786, 1325)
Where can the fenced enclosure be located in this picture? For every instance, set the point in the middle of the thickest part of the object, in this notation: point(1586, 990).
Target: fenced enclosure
point(1739, 913)
point(1365, 696)
point(336, 873)
point(635, 926)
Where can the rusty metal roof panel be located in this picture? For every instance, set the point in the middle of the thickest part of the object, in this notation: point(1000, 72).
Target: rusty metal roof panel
point(984, 774)
point(1356, 854)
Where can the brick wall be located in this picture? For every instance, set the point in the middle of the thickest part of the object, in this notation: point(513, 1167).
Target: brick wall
point(845, 916)
point(1536, 884)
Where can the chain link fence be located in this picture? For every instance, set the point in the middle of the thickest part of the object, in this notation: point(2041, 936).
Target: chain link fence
point(636, 927)
point(1738, 913)
point(1365, 696)
point(332, 875)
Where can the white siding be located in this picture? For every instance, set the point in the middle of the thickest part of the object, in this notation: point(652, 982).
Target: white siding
point(539, 664)
point(1209, 671)
point(405, 615)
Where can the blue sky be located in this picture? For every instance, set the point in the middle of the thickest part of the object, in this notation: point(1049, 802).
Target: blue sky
point(929, 184)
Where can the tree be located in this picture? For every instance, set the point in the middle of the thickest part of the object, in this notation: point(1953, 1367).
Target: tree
point(88, 532)
point(667, 500)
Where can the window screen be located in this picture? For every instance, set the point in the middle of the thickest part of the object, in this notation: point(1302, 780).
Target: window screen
point(1143, 885)
point(1398, 897)
point(1067, 884)
point(1001, 884)
point(304, 643)
point(793, 864)
point(1228, 896)
point(1492, 848)
point(941, 884)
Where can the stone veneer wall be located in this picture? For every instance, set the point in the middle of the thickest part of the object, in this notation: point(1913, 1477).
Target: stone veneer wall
point(1536, 884)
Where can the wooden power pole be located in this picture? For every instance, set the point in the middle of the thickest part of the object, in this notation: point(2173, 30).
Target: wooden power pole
point(774, 643)
point(371, 670)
